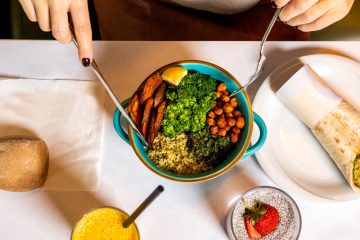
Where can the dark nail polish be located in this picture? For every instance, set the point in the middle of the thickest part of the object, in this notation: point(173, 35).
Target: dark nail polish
point(285, 22)
point(273, 5)
point(278, 19)
point(85, 62)
point(296, 27)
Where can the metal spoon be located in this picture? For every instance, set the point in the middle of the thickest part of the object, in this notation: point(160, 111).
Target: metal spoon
point(95, 69)
point(262, 57)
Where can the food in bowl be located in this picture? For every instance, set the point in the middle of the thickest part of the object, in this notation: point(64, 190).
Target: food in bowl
point(241, 149)
point(224, 118)
point(173, 155)
point(264, 213)
point(188, 119)
point(260, 220)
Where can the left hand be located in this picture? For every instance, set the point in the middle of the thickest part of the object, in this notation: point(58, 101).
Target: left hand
point(313, 15)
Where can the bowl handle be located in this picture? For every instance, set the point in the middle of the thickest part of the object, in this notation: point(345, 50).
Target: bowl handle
point(261, 140)
point(117, 122)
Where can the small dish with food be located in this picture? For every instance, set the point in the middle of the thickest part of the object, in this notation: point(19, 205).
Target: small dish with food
point(194, 129)
point(266, 213)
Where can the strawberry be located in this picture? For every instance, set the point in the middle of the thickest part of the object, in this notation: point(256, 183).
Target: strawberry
point(253, 234)
point(263, 217)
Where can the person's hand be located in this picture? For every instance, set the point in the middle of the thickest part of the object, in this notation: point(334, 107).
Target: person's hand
point(52, 15)
point(312, 15)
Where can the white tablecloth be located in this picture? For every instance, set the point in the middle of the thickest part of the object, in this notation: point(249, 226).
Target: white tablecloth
point(183, 211)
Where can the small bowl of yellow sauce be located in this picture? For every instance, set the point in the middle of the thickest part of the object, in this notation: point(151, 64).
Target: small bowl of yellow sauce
point(103, 224)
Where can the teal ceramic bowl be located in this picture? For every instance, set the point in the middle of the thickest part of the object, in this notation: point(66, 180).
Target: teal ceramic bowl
point(243, 148)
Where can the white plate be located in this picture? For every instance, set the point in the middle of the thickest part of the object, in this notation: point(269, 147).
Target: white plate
point(292, 157)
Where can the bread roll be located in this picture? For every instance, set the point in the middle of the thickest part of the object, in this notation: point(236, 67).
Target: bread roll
point(24, 163)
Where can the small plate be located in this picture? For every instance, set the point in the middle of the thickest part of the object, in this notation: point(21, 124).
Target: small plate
point(292, 157)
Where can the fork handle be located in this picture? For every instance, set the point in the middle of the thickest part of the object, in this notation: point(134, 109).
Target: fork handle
point(268, 30)
point(95, 69)
point(266, 34)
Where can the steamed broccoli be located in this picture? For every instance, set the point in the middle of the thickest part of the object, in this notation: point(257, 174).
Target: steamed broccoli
point(189, 103)
point(193, 85)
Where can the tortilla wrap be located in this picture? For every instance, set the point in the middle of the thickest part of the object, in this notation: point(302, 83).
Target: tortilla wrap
point(339, 134)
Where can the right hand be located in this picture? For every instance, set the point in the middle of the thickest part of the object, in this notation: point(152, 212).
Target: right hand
point(52, 15)
point(313, 15)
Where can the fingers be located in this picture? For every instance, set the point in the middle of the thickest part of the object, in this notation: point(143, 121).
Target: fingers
point(53, 15)
point(42, 14)
point(322, 22)
point(82, 27)
point(29, 9)
point(315, 12)
point(60, 24)
point(295, 8)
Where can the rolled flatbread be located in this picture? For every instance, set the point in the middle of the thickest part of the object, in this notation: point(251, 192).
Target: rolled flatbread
point(339, 134)
point(332, 120)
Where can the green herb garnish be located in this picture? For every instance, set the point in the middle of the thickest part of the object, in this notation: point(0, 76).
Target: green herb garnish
point(208, 147)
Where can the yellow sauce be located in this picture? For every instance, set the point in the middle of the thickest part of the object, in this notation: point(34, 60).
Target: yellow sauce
point(104, 224)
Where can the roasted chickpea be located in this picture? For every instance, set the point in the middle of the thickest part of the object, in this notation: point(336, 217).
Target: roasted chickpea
point(219, 104)
point(240, 122)
point(222, 115)
point(226, 92)
point(229, 115)
point(236, 130)
point(218, 94)
point(237, 113)
point(218, 111)
point(210, 122)
point(221, 122)
point(231, 122)
point(214, 129)
point(233, 102)
point(211, 114)
point(222, 132)
point(228, 108)
point(234, 138)
point(221, 87)
point(225, 98)
point(227, 128)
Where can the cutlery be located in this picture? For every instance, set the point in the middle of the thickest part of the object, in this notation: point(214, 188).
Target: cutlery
point(262, 57)
point(96, 70)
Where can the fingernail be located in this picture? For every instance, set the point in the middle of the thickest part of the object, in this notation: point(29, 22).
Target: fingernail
point(85, 62)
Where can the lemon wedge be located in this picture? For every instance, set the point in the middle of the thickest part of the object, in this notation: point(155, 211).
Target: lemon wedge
point(174, 75)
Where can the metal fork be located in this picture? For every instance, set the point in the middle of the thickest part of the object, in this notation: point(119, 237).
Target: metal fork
point(97, 72)
point(262, 57)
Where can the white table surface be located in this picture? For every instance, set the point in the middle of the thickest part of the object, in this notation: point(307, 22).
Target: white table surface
point(183, 211)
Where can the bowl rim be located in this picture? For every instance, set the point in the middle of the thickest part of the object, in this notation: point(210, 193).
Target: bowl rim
point(226, 168)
